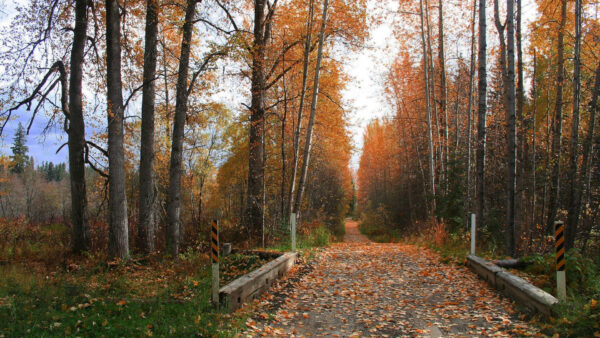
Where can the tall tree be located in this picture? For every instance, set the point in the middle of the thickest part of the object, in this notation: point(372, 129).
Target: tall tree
point(76, 132)
point(296, 144)
point(482, 113)
point(176, 163)
point(507, 63)
point(254, 212)
point(313, 111)
point(588, 144)
point(146, 184)
point(470, 115)
point(117, 198)
point(573, 177)
point(509, 88)
point(557, 125)
point(443, 89)
point(427, 104)
point(522, 147)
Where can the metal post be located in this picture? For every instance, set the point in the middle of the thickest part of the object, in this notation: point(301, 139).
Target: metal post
point(561, 280)
point(473, 232)
point(293, 231)
point(215, 262)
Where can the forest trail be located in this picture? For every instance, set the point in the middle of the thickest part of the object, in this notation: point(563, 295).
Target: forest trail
point(353, 235)
point(359, 288)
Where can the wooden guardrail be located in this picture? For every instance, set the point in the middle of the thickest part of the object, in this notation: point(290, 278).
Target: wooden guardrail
point(253, 284)
point(513, 286)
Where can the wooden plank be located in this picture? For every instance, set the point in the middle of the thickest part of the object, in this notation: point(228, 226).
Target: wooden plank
point(250, 286)
point(513, 286)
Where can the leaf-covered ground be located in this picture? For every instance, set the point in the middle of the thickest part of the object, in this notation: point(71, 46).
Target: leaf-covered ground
point(358, 288)
point(237, 265)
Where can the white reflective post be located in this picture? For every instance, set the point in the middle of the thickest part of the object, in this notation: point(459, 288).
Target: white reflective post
point(293, 231)
point(473, 231)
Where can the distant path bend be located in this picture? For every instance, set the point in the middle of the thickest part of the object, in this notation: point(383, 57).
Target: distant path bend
point(359, 288)
point(353, 235)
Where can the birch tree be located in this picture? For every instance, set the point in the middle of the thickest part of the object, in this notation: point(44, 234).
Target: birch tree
point(313, 111)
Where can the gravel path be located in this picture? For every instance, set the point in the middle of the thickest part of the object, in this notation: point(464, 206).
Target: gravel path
point(359, 288)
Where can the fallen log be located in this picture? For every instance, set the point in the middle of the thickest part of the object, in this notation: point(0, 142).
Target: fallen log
point(515, 263)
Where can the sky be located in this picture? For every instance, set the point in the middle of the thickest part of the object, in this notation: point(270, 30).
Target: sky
point(363, 97)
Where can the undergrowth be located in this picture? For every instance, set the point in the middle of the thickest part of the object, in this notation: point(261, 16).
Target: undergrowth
point(166, 298)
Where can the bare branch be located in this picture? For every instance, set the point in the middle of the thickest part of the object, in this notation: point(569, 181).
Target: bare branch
point(57, 66)
point(275, 80)
point(207, 59)
point(102, 150)
point(229, 16)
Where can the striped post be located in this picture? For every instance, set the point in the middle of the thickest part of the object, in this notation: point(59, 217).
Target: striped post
point(561, 282)
point(215, 261)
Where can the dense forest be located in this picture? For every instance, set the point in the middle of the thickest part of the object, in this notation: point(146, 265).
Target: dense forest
point(504, 126)
point(176, 118)
point(171, 151)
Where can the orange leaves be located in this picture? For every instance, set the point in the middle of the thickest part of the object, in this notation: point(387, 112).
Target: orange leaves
point(365, 289)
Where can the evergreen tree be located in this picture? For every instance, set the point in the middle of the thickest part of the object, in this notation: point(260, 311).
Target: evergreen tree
point(19, 149)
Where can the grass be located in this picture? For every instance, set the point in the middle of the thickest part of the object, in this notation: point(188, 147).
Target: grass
point(165, 298)
point(46, 292)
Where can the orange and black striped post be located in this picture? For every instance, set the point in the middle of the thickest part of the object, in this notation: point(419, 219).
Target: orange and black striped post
point(214, 255)
point(561, 287)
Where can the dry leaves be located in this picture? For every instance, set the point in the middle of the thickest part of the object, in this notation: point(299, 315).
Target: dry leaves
point(364, 289)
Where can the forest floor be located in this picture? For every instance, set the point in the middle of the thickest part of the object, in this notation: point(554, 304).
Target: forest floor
point(359, 288)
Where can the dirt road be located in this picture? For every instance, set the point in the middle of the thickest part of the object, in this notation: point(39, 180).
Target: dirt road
point(359, 288)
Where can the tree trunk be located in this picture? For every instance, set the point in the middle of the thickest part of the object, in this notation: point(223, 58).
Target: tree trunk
point(443, 90)
point(507, 63)
point(76, 133)
point(146, 199)
point(533, 155)
point(117, 199)
point(428, 106)
point(283, 154)
point(254, 211)
point(313, 111)
point(296, 143)
point(509, 88)
point(557, 126)
point(176, 164)
point(522, 149)
point(481, 111)
point(575, 186)
point(470, 115)
point(588, 151)
point(433, 98)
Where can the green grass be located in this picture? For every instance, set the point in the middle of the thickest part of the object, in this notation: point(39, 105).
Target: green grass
point(96, 303)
